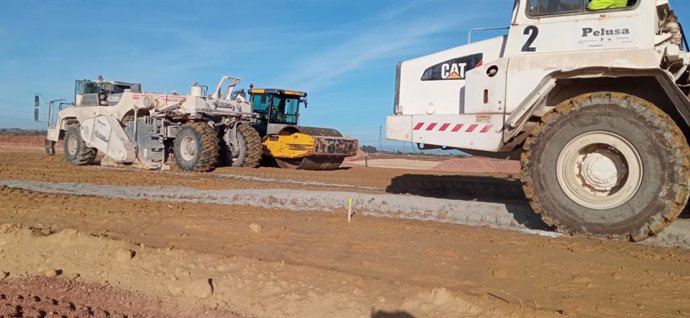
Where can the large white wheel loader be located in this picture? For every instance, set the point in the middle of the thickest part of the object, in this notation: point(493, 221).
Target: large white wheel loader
point(595, 104)
point(147, 130)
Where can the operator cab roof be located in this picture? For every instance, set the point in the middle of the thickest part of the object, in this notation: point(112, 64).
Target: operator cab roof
point(276, 91)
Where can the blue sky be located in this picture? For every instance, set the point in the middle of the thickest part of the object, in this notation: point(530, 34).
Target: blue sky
point(342, 52)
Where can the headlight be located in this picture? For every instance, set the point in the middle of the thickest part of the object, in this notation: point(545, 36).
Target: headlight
point(146, 101)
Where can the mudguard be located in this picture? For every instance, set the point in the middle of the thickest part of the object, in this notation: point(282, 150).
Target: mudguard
point(106, 134)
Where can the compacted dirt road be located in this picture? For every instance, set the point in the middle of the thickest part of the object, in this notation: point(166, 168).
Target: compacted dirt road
point(146, 256)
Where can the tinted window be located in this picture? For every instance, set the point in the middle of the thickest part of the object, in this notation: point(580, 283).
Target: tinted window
point(551, 7)
point(538, 8)
point(260, 103)
point(87, 87)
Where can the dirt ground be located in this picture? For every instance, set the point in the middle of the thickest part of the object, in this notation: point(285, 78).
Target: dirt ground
point(140, 257)
point(47, 297)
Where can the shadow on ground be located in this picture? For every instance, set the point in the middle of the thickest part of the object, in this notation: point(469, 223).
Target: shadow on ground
point(393, 314)
point(486, 189)
point(482, 189)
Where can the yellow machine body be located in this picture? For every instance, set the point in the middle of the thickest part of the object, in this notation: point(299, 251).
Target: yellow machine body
point(296, 145)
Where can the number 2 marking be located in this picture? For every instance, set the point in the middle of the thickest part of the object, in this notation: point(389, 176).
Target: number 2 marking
point(533, 32)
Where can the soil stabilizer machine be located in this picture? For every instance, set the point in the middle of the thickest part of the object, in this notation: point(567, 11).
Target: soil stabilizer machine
point(292, 146)
point(594, 102)
point(149, 130)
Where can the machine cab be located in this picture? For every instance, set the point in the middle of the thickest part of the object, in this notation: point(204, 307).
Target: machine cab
point(562, 35)
point(101, 92)
point(276, 107)
point(559, 26)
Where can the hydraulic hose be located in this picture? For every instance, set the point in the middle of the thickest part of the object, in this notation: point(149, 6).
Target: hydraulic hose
point(685, 39)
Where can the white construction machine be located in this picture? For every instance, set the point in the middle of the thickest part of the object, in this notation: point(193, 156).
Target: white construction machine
point(131, 127)
point(595, 102)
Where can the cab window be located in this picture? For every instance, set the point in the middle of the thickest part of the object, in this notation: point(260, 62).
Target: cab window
point(537, 8)
point(260, 103)
point(552, 7)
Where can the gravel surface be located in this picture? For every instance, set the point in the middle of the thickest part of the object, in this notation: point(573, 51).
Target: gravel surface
point(504, 215)
point(516, 215)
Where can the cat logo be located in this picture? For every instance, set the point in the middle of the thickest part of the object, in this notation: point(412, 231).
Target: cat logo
point(455, 69)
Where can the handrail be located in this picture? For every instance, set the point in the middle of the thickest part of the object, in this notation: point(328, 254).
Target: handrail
point(469, 34)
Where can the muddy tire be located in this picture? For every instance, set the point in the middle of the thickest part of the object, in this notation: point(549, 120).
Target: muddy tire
point(196, 147)
point(242, 151)
point(607, 164)
point(75, 150)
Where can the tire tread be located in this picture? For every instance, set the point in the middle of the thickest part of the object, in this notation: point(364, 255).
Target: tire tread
point(658, 121)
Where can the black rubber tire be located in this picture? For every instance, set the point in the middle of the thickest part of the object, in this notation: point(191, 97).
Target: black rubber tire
point(49, 147)
point(250, 148)
point(206, 155)
point(82, 154)
point(664, 154)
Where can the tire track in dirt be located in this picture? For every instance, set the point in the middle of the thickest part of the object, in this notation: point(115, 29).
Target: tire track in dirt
point(44, 297)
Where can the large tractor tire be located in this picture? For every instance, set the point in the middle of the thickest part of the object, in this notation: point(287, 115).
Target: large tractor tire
point(76, 152)
point(609, 165)
point(196, 147)
point(241, 149)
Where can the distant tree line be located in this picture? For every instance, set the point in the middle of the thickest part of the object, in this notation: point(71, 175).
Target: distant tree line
point(369, 149)
point(372, 150)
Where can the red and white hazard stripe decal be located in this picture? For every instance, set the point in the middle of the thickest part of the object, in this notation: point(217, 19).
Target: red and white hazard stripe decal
point(165, 98)
point(457, 128)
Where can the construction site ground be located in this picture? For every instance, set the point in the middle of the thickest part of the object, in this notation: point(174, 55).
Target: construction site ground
point(120, 242)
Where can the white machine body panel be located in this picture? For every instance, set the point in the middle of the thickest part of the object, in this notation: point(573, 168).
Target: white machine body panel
point(433, 84)
point(481, 132)
point(486, 89)
point(492, 79)
point(106, 134)
point(538, 46)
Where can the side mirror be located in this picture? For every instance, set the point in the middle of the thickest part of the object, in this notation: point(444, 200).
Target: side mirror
point(37, 103)
point(306, 102)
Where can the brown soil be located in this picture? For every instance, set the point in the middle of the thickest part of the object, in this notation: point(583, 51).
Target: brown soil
point(271, 262)
point(24, 165)
point(407, 156)
point(24, 142)
point(550, 274)
point(44, 297)
point(473, 165)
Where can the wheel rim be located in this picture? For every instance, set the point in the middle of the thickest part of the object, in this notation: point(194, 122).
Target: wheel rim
point(233, 144)
point(188, 148)
point(72, 145)
point(599, 170)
